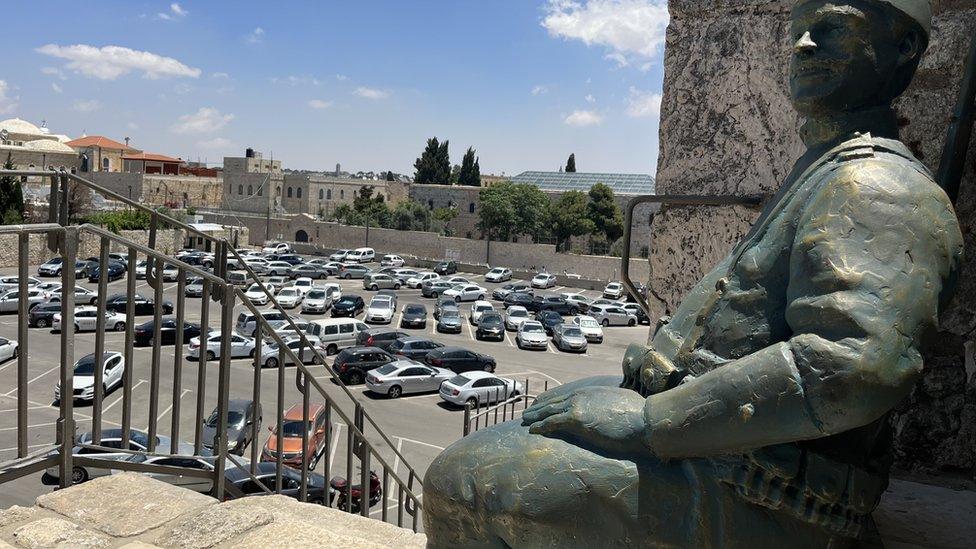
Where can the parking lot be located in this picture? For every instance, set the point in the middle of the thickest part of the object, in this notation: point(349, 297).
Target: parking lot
point(419, 425)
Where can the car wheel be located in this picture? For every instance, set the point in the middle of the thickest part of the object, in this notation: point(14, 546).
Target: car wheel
point(77, 328)
point(395, 392)
point(472, 402)
point(57, 272)
point(16, 352)
point(347, 276)
point(251, 354)
point(331, 349)
point(78, 475)
point(355, 378)
point(457, 299)
point(396, 286)
point(481, 297)
point(374, 287)
point(605, 322)
point(41, 323)
point(272, 362)
point(119, 326)
point(211, 355)
point(631, 322)
point(433, 295)
point(573, 312)
point(490, 368)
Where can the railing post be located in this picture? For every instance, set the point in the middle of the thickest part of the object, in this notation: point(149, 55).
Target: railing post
point(157, 267)
point(202, 366)
point(223, 390)
point(66, 427)
point(22, 344)
point(178, 362)
point(256, 394)
point(127, 374)
point(100, 341)
point(467, 420)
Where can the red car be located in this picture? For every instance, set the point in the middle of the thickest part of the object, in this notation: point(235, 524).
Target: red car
point(292, 427)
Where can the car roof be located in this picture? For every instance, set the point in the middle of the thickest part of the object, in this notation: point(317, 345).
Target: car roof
point(295, 412)
point(477, 374)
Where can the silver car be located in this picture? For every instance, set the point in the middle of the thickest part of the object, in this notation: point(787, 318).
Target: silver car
point(112, 438)
point(405, 377)
point(10, 301)
point(515, 316)
point(317, 300)
point(567, 337)
point(194, 287)
point(532, 335)
point(380, 281)
point(476, 387)
point(612, 315)
point(380, 309)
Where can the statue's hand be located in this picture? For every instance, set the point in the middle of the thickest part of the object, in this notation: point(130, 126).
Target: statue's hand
point(607, 417)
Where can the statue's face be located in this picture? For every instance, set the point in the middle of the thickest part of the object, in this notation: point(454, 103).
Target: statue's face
point(843, 55)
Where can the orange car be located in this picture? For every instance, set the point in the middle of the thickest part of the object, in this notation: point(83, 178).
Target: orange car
point(292, 453)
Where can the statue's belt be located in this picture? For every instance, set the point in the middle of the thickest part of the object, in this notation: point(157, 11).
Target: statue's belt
point(832, 494)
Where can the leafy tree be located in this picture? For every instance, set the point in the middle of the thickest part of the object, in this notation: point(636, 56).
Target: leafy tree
point(470, 173)
point(11, 197)
point(571, 163)
point(434, 164)
point(512, 209)
point(442, 164)
point(344, 213)
point(603, 211)
point(410, 215)
point(442, 218)
point(532, 209)
point(497, 215)
point(569, 218)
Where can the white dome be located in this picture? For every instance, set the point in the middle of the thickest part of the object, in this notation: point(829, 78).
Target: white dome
point(16, 125)
point(48, 145)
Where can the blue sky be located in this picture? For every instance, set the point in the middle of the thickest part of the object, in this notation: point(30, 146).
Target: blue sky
point(361, 83)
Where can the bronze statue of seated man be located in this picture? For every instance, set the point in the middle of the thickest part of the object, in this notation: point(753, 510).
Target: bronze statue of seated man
point(758, 415)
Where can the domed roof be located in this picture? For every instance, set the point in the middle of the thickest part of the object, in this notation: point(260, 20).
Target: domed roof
point(16, 125)
point(48, 145)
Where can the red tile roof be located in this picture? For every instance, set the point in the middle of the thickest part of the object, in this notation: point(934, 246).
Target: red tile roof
point(152, 157)
point(99, 141)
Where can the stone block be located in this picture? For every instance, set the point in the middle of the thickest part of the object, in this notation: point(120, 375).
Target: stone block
point(57, 533)
point(286, 534)
point(124, 505)
point(136, 545)
point(216, 524)
point(16, 514)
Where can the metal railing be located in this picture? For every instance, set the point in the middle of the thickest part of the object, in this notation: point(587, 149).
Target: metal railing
point(64, 239)
point(480, 415)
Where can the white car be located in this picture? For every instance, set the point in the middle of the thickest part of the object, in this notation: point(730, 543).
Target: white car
point(8, 283)
point(255, 294)
point(591, 329)
point(334, 289)
point(476, 387)
point(10, 300)
point(418, 281)
point(466, 292)
point(457, 280)
point(113, 366)
point(8, 349)
point(380, 310)
point(581, 301)
point(269, 351)
point(532, 335)
point(49, 286)
point(289, 297)
point(86, 318)
point(140, 269)
point(278, 268)
point(194, 287)
point(317, 300)
point(340, 255)
point(82, 295)
point(276, 248)
point(479, 308)
point(403, 275)
point(275, 283)
point(406, 376)
point(610, 315)
point(51, 267)
point(614, 290)
point(303, 284)
point(544, 280)
point(240, 346)
point(170, 273)
point(515, 316)
point(392, 261)
point(498, 274)
point(257, 264)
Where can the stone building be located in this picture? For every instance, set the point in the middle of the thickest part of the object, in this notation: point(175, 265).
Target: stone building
point(101, 154)
point(320, 194)
point(728, 128)
point(252, 184)
point(31, 147)
point(465, 200)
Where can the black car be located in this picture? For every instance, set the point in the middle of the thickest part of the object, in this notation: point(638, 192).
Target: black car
point(348, 305)
point(553, 303)
point(41, 315)
point(167, 332)
point(459, 360)
point(291, 481)
point(549, 319)
point(352, 363)
point(196, 258)
point(490, 326)
point(379, 337)
point(116, 271)
point(415, 348)
point(518, 298)
point(143, 306)
point(446, 268)
point(414, 316)
point(241, 417)
point(291, 259)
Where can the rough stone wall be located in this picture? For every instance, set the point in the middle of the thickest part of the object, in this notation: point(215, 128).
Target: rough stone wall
point(167, 242)
point(197, 192)
point(727, 128)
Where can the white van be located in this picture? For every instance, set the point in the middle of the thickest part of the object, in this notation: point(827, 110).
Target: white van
point(361, 255)
point(335, 334)
point(276, 248)
point(238, 278)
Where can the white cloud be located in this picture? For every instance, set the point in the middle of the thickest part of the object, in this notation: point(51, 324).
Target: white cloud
point(54, 71)
point(296, 80)
point(205, 120)
point(7, 104)
point(583, 119)
point(256, 36)
point(642, 104)
point(220, 75)
point(628, 29)
point(86, 105)
point(56, 87)
point(215, 143)
point(132, 126)
point(111, 62)
point(163, 16)
point(371, 93)
point(540, 90)
point(589, 98)
point(178, 10)
point(341, 77)
point(319, 104)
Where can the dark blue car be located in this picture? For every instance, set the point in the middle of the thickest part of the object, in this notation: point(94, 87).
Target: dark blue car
point(115, 271)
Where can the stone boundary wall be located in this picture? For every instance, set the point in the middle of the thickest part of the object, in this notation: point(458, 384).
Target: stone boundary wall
point(167, 242)
point(431, 246)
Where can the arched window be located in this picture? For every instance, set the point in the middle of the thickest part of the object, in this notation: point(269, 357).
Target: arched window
point(250, 190)
point(342, 194)
point(298, 192)
point(301, 236)
point(230, 189)
point(278, 191)
point(321, 194)
point(106, 164)
point(240, 189)
point(471, 207)
point(328, 194)
point(289, 192)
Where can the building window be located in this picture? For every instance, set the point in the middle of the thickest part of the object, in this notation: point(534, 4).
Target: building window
point(321, 194)
point(240, 189)
point(289, 192)
point(328, 194)
point(469, 235)
point(278, 191)
point(430, 204)
point(471, 207)
point(298, 192)
point(342, 194)
point(250, 190)
point(106, 164)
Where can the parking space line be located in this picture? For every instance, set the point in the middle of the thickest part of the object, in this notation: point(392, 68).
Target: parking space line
point(29, 446)
point(118, 400)
point(557, 288)
point(396, 459)
point(170, 408)
point(422, 443)
point(549, 347)
point(29, 408)
point(35, 379)
point(509, 340)
point(48, 424)
point(335, 443)
point(470, 329)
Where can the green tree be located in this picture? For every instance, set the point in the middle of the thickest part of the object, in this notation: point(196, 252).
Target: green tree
point(470, 173)
point(455, 174)
point(603, 211)
point(427, 168)
point(569, 218)
point(442, 164)
point(11, 197)
point(532, 210)
point(571, 163)
point(497, 215)
point(410, 215)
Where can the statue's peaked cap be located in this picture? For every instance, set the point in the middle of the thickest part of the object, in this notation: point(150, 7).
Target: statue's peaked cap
point(919, 11)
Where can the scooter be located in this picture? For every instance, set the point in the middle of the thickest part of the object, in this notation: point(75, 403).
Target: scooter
point(339, 492)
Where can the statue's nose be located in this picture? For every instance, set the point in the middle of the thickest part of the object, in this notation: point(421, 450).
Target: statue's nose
point(805, 43)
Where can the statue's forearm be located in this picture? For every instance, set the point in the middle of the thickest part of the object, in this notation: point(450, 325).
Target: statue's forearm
point(756, 401)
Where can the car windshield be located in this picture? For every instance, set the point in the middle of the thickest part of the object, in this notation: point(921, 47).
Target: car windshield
point(485, 307)
point(588, 323)
point(518, 312)
point(386, 369)
point(293, 428)
point(233, 418)
point(491, 319)
point(316, 294)
point(414, 310)
point(381, 304)
point(85, 366)
point(254, 288)
point(531, 328)
point(460, 381)
point(346, 301)
point(450, 313)
point(572, 332)
point(497, 271)
point(287, 292)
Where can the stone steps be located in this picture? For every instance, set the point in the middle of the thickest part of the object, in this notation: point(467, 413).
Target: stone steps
point(134, 511)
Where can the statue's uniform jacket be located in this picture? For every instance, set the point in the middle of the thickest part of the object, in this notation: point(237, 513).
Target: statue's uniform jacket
point(798, 344)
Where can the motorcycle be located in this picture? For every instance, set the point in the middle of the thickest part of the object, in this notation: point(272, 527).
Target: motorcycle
point(338, 493)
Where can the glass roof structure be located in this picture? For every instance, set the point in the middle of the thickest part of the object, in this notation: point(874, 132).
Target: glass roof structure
point(621, 183)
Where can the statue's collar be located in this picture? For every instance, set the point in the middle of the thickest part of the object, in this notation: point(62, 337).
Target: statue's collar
point(823, 133)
